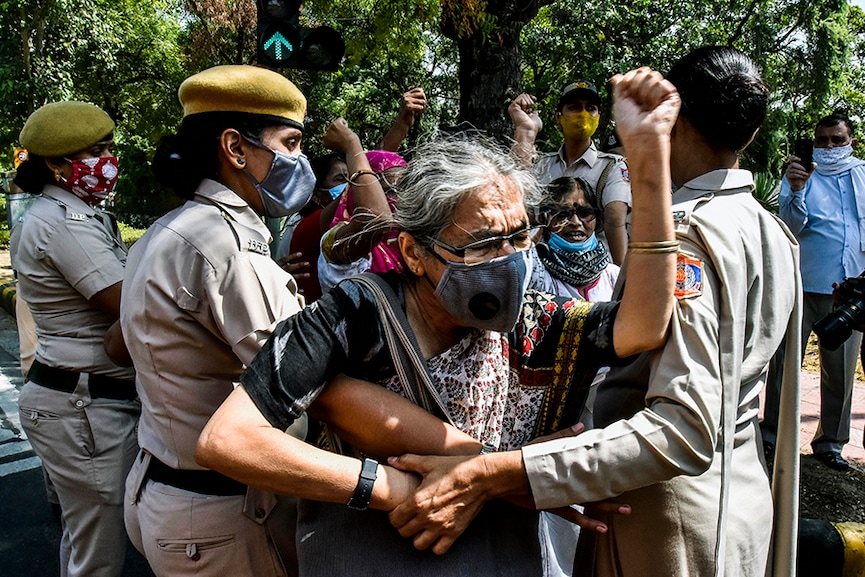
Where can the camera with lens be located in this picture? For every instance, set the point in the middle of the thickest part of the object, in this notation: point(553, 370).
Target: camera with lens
point(836, 327)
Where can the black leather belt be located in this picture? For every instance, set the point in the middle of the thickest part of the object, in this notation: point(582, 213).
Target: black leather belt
point(101, 386)
point(203, 482)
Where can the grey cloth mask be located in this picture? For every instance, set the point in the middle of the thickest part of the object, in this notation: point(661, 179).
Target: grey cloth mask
point(488, 295)
point(288, 185)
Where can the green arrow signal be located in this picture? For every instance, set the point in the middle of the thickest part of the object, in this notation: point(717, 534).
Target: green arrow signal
point(278, 41)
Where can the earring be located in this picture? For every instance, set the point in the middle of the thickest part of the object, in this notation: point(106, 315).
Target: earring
point(57, 175)
point(241, 162)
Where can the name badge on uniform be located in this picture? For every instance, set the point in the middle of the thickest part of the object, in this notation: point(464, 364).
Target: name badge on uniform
point(258, 247)
point(689, 277)
point(76, 216)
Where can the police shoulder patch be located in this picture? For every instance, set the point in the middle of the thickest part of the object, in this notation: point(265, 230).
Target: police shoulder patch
point(689, 277)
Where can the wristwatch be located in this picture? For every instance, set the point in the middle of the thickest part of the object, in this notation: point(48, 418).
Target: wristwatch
point(362, 493)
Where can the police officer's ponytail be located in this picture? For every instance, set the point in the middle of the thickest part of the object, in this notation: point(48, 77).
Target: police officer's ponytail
point(183, 160)
point(722, 94)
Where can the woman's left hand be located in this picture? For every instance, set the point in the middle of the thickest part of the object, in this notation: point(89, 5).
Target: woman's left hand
point(645, 105)
point(449, 497)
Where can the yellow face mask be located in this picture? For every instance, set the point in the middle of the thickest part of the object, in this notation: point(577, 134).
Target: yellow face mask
point(580, 125)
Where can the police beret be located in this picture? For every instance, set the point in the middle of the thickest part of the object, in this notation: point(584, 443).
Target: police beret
point(62, 128)
point(247, 89)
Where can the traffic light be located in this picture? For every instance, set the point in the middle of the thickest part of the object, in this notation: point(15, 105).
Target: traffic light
point(284, 43)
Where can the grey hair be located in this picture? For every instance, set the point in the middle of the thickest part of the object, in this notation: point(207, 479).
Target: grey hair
point(441, 174)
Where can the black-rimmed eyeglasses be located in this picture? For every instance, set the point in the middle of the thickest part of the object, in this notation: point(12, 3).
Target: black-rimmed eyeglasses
point(485, 249)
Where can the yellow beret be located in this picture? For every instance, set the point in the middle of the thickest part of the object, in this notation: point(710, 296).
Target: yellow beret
point(242, 89)
point(62, 128)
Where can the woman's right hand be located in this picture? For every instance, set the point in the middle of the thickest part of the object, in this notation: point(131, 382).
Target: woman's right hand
point(524, 115)
point(645, 105)
point(592, 515)
point(339, 137)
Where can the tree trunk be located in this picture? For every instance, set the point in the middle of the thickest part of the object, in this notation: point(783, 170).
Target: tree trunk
point(487, 34)
point(489, 77)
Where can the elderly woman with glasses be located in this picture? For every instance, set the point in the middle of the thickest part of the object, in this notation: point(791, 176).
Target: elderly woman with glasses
point(571, 261)
point(505, 364)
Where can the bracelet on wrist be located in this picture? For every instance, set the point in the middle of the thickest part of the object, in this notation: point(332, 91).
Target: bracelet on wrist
point(363, 492)
point(354, 177)
point(654, 247)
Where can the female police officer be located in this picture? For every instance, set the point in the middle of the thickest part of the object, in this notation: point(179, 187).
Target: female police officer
point(201, 296)
point(78, 408)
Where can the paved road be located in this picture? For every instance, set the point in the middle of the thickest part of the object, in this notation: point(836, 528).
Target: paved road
point(29, 531)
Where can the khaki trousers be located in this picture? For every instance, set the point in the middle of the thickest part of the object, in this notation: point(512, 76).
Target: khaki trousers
point(186, 533)
point(87, 446)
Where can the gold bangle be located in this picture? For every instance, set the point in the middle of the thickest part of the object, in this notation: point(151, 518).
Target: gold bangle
point(656, 247)
point(361, 172)
point(654, 244)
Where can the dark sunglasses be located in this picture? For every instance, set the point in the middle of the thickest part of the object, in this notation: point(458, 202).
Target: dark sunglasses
point(584, 213)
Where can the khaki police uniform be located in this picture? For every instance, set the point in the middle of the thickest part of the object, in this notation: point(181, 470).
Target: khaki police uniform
point(200, 297)
point(78, 408)
point(679, 440)
point(591, 167)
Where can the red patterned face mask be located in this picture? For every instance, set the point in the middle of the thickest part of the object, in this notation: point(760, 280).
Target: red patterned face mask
point(93, 179)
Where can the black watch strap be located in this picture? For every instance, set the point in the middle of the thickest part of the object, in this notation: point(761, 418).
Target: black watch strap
point(363, 491)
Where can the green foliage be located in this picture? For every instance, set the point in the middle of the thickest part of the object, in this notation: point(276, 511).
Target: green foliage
point(122, 55)
point(766, 190)
point(129, 57)
point(809, 51)
point(129, 234)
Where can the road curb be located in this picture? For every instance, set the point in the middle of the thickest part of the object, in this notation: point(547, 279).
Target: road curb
point(8, 296)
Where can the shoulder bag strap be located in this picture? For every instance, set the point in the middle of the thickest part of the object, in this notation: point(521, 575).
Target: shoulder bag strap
point(410, 365)
point(602, 181)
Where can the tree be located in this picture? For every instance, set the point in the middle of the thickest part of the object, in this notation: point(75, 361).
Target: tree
point(122, 55)
point(487, 34)
point(470, 56)
point(799, 45)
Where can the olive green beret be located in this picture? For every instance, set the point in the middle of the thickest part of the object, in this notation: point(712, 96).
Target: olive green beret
point(242, 89)
point(62, 128)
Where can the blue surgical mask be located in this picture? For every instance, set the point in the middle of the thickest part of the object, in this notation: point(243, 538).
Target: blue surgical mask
point(832, 155)
point(288, 185)
point(558, 243)
point(337, 190)
point(488, 295)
